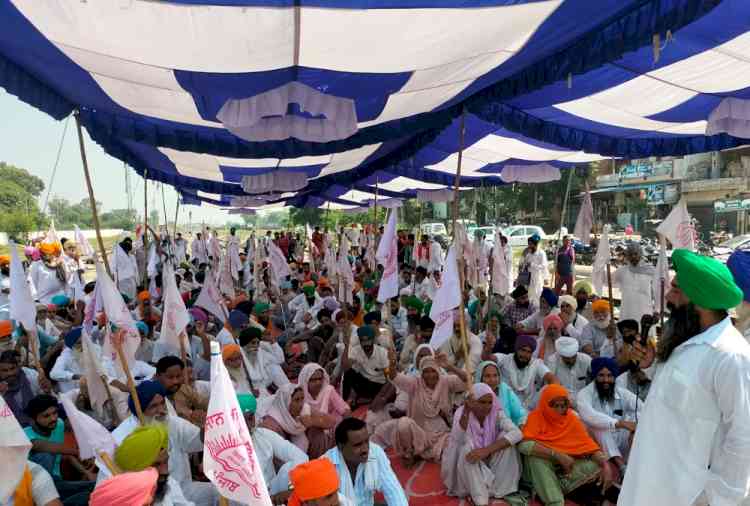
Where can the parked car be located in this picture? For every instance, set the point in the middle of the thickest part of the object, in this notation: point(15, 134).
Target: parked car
point(434, 229)
point(518, 235)
point(726, 248)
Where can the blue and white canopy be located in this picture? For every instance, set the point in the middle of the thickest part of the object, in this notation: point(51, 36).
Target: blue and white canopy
point(321, 101)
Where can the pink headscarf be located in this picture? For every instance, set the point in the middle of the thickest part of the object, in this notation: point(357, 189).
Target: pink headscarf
point(484, 434)
point(320, 403)
point(31, 251)
point(127, 489)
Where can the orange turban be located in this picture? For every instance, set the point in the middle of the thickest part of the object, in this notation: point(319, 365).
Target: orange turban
point(49, 248)
point(144, 295)
point(313, 480)
point(127, 489)
point(323, 281)
point(6, 327)
point(600, 305)
point(229, 351)
point(4, 260)
point(563, 433)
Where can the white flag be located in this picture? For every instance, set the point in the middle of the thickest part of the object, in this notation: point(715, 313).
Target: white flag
point(229, 458)
point(447, 298)
point(387, 256)
point(14, 448)
point(661, 273)
point(94, 306)
point(278, 262)
point(93, 372)
point(599, 269)
point(210, 299)
point(22, 306)
point(174, 314)
point(678, 227)
point(84, 246)
point(117, 314)
point(93, 439)
point(226, 281)
point(77, 286)
point(585, 219)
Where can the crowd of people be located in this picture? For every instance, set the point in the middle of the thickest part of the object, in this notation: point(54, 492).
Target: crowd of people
point(547, 392)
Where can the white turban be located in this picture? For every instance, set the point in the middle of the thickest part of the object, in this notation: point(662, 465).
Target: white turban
point(568, 299)
point(566, 346)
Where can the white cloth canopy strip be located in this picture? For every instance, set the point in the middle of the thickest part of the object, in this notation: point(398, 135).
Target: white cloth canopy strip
point(131, 50)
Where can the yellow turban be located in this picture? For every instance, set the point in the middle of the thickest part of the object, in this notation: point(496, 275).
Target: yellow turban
point(142, 447)
point(600, 305)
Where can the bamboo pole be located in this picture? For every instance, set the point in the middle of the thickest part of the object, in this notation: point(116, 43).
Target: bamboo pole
point(183, 357)
point(92, 200)
point(559, 231)
point(176, 214)
point(611, 305)
point(145, 226)
point(109, 463)
point(461, 316)
point(375, 217)
point(112, 408)
point(117, 341)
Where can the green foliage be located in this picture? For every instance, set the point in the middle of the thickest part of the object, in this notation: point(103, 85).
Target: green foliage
point(21, 177)
point(119, 218)
point(19, 210)
point(16, 224)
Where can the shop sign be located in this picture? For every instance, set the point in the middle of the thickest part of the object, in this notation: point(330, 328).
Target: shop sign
point(731, 205)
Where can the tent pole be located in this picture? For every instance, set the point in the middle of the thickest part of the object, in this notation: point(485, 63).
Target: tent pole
point(176, 214)
point(375, 219)
point(92, 200)
point(145, 226)
point(461, 316)
point(559, 231)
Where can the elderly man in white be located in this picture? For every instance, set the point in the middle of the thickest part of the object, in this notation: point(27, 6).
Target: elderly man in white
point(571, 367)
point(635, 280)
point(609, 411)
point(692, 445)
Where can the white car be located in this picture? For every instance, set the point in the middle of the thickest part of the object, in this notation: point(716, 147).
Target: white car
point(518, 235)
point(434, 229)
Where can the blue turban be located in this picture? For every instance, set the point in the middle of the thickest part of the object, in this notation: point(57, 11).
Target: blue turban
point(549, 296)
point(72, 337)
point(526, 340)
point(238, 319)
point(604, 363)
point(142, 327)
point(535, 238)
point(739, 265)
point(60, 300)
point(146, 391)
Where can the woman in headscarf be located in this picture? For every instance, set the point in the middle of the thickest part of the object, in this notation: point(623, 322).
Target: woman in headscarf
point(325, 404)
point(293, 419)
point(560, 455)
point(489, 373)
point(48, 275)
point(423, 433)
point(480, 460)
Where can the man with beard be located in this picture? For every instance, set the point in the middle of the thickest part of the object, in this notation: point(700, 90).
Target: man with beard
point(600, 336)
point(422, 335)
point(184, 439)
point(236, 323)
point(523, 373)
point(301, 306)
point(571, 367)
point(534, 324)
point(273, 452)
point(145, 447)
point(364, 366)
point(454, 349)
point(68, 367)
point(519, 309)
point(266, 374)
point(18, 385)
point(635, 280)
point(692, 446)
point(398, 321)
point(609, 411)
point(739, 264)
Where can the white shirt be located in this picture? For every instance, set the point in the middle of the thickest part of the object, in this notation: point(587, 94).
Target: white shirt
point(536, 320)
point(601, 415)
point(371, 367)
point(66, 366)
point(574, 329)
point(453, 346)
point(694, 434)
point(572, 378)
point(524, 381)
point(46, 282)
point(269, 446)
point(224, 337)
point(43, 488)
point(637, 296)
point(399, 323)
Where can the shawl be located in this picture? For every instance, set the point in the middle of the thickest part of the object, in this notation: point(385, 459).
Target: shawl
point(319, 404)
point(482, 434)
point(564, 433)
point(279, 410)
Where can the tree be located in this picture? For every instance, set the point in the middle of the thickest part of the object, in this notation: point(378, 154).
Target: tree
point(19, 210)
point(21, 177)
point(66, 215)
point(17, 224)
point(119, 218)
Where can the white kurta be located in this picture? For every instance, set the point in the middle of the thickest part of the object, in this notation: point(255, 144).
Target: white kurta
point(539, 270)
point(637, 295)
point(692, 445)
point(601, 417)
point(180, 250)
point(46, 282)
point(523, 382)
point(199, 251)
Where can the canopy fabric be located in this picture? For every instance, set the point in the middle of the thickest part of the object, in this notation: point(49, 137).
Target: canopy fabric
point(354, 93)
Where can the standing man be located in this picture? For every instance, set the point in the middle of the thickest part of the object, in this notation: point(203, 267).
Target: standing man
point(565, 267)
point(692, 445)
point(180, 247)
point(635, 280)
point(199, 249)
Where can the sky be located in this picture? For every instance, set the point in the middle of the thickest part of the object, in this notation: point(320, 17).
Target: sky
point(30, 139)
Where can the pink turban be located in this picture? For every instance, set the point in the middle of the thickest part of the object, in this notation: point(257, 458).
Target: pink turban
point(127, 489)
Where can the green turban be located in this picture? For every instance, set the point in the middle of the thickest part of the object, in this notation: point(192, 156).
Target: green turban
point(583, 285)
point(309, 290)
point(141, 448)
point(707, 282)
point(413, 302)
point(261, 307)
point(247, 403)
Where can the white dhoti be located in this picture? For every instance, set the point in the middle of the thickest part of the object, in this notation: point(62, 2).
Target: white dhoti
point(614, 442)
point(128, 286)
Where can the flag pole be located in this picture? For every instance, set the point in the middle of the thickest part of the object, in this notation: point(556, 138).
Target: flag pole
point(117, 342)
point(183, 357)
point(109, 463)
point(559, 231)
point(145, 226)
point(92, 200)
point(461, 319)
